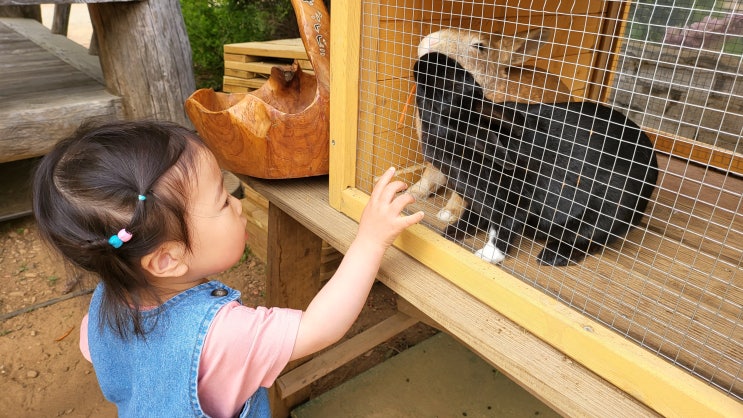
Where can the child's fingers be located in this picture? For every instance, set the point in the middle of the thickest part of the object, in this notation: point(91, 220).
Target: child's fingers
point(381, 184)
point(412, 219)
point(400, 203)
point(388, 191)
point(393, 189)
point(401, 200)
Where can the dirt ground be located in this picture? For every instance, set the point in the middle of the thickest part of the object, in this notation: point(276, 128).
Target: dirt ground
point(43, 374)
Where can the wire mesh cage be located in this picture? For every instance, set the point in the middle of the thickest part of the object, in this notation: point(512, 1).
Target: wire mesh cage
point(591, 149)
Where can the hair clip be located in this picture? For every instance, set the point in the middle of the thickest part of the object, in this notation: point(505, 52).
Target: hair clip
point(121, 237)
point(141, 197)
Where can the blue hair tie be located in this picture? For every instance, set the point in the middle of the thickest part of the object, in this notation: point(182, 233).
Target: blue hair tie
point(141, 197)
point(115, 241)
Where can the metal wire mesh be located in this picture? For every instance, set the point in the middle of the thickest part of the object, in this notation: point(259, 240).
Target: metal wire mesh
point(673, 282)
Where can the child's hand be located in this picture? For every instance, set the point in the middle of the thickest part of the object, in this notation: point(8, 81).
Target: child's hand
point(380, 221)
point(332, 312)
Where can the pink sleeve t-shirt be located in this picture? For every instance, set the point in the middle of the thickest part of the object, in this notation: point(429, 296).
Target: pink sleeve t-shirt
point(245, 348)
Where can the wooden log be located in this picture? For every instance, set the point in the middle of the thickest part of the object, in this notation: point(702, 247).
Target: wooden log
point(61, 19)
point(146, 57)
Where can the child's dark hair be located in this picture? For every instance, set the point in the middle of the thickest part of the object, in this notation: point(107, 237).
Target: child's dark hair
point(86, 189)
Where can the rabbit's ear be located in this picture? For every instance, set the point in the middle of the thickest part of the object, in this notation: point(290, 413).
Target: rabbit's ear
point(524, 46)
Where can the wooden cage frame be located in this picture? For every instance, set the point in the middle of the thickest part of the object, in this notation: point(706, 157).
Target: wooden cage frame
point(662, 386)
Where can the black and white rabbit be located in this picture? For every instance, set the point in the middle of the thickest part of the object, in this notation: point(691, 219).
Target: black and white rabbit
point(496, 62)
point(578, 174)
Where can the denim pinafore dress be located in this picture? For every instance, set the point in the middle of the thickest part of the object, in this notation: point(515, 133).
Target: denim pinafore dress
point(156, 376)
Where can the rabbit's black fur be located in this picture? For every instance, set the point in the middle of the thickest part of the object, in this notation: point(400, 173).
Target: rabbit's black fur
point(578, 174)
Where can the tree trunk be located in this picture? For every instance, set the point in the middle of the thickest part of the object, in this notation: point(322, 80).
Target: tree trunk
point(145, 57)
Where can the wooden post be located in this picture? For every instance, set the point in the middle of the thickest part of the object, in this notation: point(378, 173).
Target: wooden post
point(292, 280)
point(145, 57)
point(61, 20)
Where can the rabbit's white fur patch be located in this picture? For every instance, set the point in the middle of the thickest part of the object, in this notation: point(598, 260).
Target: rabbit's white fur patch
point(490, 252)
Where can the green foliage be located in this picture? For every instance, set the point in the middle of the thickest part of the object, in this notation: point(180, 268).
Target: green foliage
point(213, 23)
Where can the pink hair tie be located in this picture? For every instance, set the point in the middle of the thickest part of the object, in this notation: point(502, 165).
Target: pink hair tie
point(121, 237)
point(124, 236)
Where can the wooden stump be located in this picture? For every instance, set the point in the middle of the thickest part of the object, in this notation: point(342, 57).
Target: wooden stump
point(145, 57)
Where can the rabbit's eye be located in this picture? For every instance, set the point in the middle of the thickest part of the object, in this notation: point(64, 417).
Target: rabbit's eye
point(480, 46)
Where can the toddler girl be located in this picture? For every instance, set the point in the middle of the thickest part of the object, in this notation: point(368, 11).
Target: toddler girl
point(142, 205)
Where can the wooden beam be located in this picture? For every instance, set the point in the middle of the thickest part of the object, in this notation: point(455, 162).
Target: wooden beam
point(292, 280)
point(344, 95)
point(301, 377)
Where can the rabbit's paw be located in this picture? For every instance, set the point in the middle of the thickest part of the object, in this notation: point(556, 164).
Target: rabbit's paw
point(446, 216)
point(420, 190)
point(490, 253)
point(550, 257)
point(453, 209)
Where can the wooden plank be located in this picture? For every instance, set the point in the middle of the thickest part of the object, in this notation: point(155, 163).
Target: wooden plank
point(408, 309)
point(257, 228)
point(49, 85)
point(240, 58)
point(31, 128)
point(294, 261)
point(340, 354)
point(228, 88)
point(293, 49)
point(263, 67)
point(344, 95)
point(238, 73)
point(255, 209)
point(251, 83)
point(260, 67)
point(565, 385)
point(68, 51)
point(697, 151)
point(305, 65)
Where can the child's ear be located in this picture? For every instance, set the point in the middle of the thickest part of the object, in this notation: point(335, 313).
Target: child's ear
point(168, 260)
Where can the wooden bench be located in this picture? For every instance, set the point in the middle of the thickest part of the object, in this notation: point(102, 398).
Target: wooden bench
point(300, 219)
point(49, 84)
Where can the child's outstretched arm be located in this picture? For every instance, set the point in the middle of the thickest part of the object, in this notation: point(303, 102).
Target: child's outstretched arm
point(335, 308)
